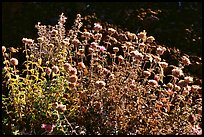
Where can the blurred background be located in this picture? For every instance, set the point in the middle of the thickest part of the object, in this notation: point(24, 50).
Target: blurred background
point(175, 24)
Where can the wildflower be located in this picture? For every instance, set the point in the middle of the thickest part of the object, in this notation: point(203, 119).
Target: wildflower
point(61, 107)
point(192, 118)
point(131, 36)
point(87, 35)
point(157, 59)
point(102, 48)
point(97, 27)
point(48, 127)
point(76, 42)
point(185, 60)
point(146, 73)
point(65, 42)
point(40, 39)
point(120, 58)
point(97, 36)
point(177, 72)
point(188, 79)
point(177, 88)
point(182, 83)
point(94, 45)
point(199, 110)
point(160, 51)
point(62, 18)
point(115, 49)
point(170, 85)
point(91, 50)
point(157, 77)
point(153, 82)
point(150, 39)
point(141, 35)
point(112, 56)
point(111, 30)
point(106, 71)
point(196, 130)
point(128, 44)
point(27, 41)
point(141, 45)
point(81, 65)
point(81, 51)
point(100, 84)
point(72, 85)
point(14, 61)
point(124, 48)
point(163, 64)
point(54, 32)
point(3, 49)
point(48, 71)
point(131, 48)
point(185, 92)
point(55, 69)
point(195, 88)
point(67, 66)
point(73, 78)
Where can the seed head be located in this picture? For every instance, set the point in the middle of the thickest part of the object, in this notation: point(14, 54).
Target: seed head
point(115, 49)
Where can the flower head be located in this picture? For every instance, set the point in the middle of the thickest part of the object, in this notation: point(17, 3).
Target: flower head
point(48, 71)
point(14, 61)
point(153, 82)
point(55, 69)
point(185, 61)
point(100, 84)
point(97, 27)
point(3, 49)
point(177, 72)
point(48, 127)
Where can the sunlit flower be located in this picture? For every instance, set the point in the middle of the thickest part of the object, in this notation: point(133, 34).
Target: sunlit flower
point(177, 72)
point(73, 78)
point(55, 69)
point(111, 30)
point(142, 35)
point(146, 73)
point(120, 58)
point(115, 49)
point(48, 127)
point(153, 82)
point(3, 49)
point(48, 71)
point(185, 60)
point(97, 27)
point(100, 84)
point(102, 48)
point(14, 61)
point(150, 39)
point(195, 88)
point(61, 107)
point(163, 64)
point(188, 79)
point(160, 50)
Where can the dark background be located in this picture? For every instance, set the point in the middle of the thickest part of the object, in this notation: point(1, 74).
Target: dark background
point(178, 25)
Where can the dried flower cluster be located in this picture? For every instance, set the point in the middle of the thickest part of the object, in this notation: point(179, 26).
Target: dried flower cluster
point(99, 80)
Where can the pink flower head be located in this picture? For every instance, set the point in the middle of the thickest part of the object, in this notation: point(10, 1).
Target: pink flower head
point(102, 48)
point(48, 127)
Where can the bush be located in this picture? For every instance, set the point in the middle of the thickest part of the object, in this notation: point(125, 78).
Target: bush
point(96, 79)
